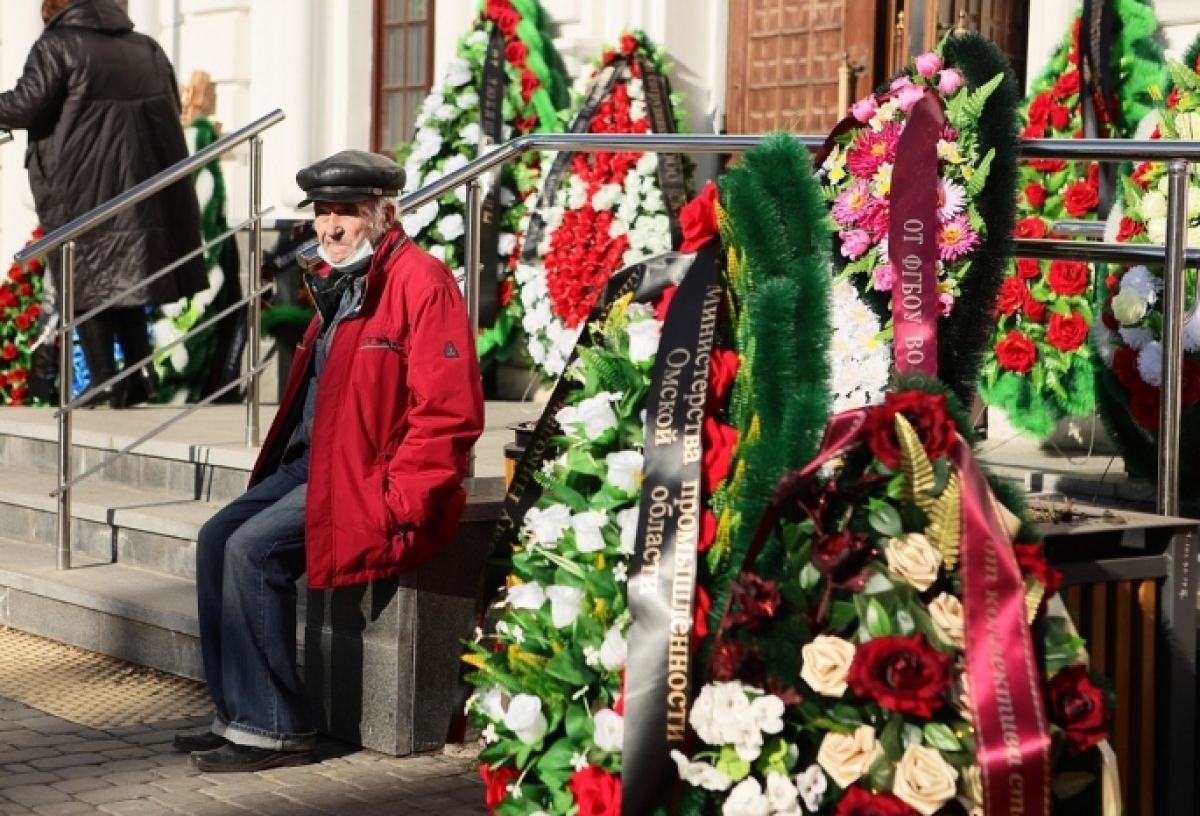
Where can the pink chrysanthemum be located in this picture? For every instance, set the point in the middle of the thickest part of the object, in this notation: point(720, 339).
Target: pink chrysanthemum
point(872, 149)
point(885, 278)
point(951, 199)
point(956, 238)
point(852, 203)
point(855, 243)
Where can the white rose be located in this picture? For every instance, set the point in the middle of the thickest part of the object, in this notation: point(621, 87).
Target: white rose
point(746, 799)
point(914, 559)
point(494, 703)
point(644, 336)
point(924, 780)
point(624, 470)
point(1128, 306)
point(594, 414)
point(451, 227)
point(527, 596)
point(445, 113)
point(458, 72)
point(506, 244)
point(647, 164)
point(477, 38)
point(420, 218)
point(467, 100)
point(637, 110)
point(782, 795)
point(525, 718)
point(546, 527)
point(565, 604)
point(438, 251)
point(470, 133)
point(846, 757)
point(627, 520)
point(588, 526)
point(947, 613)
point(826, 664)
point(701, 774)
point(614, 650)
point(609, 732)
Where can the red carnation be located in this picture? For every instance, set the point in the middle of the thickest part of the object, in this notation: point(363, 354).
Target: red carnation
point(1028, 268)
point(1144, 405)
point(1081, 198)
point(1067, 333)
point(1035, 194)
point(858, 802)
point(497, 782)
point(1016, 352)
point(1060, 117)
point(903, 674)
point(516, 52)
point(1031, 227)
point(1128, 229)
point(1076, 706)
point(698, 219)
point(925, 412)
point(719, 441)
point(1069, 278)
point(597, 792)
point(1013, 295)
point(1067, 85)
point(722, 370)
point(1035, 310)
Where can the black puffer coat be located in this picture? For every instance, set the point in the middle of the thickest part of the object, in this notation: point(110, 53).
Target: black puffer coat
point(102, 110)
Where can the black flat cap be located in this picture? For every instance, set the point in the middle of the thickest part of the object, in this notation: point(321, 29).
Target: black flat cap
point(352, 175)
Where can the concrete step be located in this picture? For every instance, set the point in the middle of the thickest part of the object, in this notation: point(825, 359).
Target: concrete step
point(110, 522)
point(203, 456)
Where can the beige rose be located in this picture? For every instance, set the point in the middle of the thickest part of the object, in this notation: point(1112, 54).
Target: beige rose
point(924, 780)
point(959, 695)
point(971, 784)
point(947, 614)
point(915, 560)
point(826, 663)
point(846, 757)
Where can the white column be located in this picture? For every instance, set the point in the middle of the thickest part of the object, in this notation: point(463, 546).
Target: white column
point(1048, 25)
point(343, 96)
point(146, 16)
point(20, 26)
point(451, 19)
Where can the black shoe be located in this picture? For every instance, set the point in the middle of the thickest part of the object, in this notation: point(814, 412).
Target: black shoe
point(141, 387)
point(198, 741)
point(233, 758)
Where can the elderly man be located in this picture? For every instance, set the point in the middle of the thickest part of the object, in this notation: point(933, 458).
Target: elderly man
point(360, 477)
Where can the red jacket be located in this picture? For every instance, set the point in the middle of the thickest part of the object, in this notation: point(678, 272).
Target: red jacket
point(400, 405)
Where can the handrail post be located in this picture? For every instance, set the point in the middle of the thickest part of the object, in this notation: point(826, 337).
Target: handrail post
point(66, 365)
point(254, 315)
point(1172, 334)
point(471, 262)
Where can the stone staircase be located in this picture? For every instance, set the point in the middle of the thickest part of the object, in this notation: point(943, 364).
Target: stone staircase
point(130, 593)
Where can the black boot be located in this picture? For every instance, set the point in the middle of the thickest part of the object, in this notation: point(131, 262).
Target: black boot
point(43, 374)
point(129, 324)
point(141, 387)
point(96, 338)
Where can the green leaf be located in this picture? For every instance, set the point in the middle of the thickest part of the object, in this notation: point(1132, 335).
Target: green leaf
point(810, 576)
point(911, 735)
point(886, 521)
point(890, 738)
point(566, 666)
point(878, 622)
point(841, 615)
point(564, 564)
point(979, 180)
point(941, 737)
point(579, 724)
point(733, 765)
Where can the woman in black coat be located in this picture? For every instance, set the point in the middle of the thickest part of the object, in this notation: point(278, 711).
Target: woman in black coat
point(102, 110)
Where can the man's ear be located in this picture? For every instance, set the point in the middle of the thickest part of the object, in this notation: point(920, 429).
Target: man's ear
point(389, 214)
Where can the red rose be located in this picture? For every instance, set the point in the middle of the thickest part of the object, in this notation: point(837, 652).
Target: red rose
point(1028, 268)
point(719, 441)
point(1016, 352)
point(25, 289)
point(597, 792)
point(722, 370)
point(903, 674)
point(1048, 165)
point(1031, 227)
point(1173, 98)
point(1033, 562)
point(3, 381)
point(1081, 198)
point(842, 555)
point(858, 802)
point(628, 44)
point(516, 52)
point(925, 412)
point(1067, 85)
point(1060, 117)
point(18, 375)
point(1144, 404)
point(529, 84)
point(708, 530)
point(16, 274)
point(1076, 706)
point(1128, 229)
point(698, 219)
point(18, 395)
point(1069, 277)
point(1013, 295)
point(497, 782)
point(505, 15)
point(1067, 333)
point(664, 303)
point(700, 616)
point(1039, 109)
point(34, 310)
point(22, 321)
point(1033, 132)
point(9, 352)
point(1191, 382)
point(1035, 310)
point(1035, 194)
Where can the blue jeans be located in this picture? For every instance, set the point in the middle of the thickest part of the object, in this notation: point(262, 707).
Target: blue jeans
point(248, 559)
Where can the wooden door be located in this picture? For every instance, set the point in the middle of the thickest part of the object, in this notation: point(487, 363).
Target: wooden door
point(916, 26)
point(784, 57)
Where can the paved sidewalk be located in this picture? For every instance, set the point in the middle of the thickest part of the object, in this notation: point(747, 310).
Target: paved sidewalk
point(54, 767)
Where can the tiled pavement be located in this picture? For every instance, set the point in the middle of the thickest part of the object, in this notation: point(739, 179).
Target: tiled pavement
point(53, 767)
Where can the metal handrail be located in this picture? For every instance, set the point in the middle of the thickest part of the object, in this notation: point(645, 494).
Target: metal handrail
point(64, 239)
point(1174, 256)
point(147, 188)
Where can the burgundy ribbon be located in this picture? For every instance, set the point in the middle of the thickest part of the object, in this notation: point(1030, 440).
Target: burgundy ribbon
point(1012, 743)
point(912, 238)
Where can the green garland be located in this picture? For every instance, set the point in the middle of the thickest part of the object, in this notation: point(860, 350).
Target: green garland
point(1039, 370)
